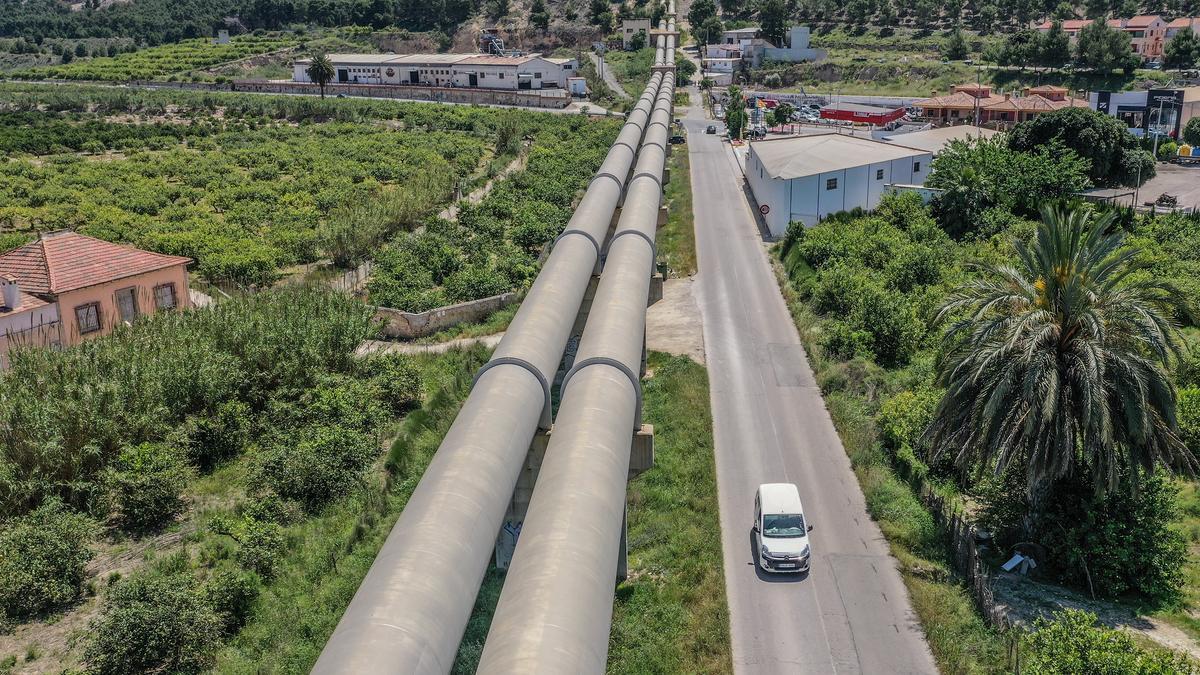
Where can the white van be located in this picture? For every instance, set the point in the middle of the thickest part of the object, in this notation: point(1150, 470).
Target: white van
point(781, 528)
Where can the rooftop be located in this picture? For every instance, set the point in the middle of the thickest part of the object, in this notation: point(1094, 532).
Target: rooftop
point(801, 156)
point(492, 60)
point(933, 140)
point(59, 262)
point(1142, 20)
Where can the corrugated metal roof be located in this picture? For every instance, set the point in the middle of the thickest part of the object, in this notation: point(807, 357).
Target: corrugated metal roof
point(933, 140)
point(491, 60)
point(432, 59)
point(802, 156)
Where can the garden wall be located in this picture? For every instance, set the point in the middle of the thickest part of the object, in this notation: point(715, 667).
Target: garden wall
point(555, 98)
point(408, 325)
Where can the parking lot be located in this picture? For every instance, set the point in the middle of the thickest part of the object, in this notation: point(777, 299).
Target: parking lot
point(1181, 181)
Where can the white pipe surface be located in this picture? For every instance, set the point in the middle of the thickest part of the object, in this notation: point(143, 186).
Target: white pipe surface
point(409, 613)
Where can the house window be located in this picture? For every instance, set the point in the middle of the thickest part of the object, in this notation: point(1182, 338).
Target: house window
point(127, 304)
point(916, 167)
point(164, 296)
point(502, 76)
point(87, 317)
point(878, 174)
point(831, 184)
point(537, 76)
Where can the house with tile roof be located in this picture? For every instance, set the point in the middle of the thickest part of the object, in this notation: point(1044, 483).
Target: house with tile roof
point(65, 287)
point(1148, 33)
point(1182, 23)
point(963, 101)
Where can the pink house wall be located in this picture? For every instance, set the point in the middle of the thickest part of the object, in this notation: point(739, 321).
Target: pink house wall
point(34, 327)
point(106, 296)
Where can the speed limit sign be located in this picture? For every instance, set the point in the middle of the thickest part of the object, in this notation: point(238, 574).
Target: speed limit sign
point(764, 209)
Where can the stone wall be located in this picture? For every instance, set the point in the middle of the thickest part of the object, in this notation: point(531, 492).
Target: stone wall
point(409, 325)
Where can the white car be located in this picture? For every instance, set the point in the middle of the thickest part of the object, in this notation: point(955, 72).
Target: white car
point(780, 528)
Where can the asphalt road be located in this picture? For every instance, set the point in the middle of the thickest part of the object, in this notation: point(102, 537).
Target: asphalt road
point(850, 613)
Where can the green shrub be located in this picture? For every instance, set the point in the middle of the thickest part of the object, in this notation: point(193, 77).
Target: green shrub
point(316, 464)
point(42, 559)
point(231, 594)
point(1187, 407)
point(143, 486)
point(212, 439)
point(903, 417)
point(260, 546)
point(398, 379)
point(1119, 543)
point(1074, 642)
point(154, 622)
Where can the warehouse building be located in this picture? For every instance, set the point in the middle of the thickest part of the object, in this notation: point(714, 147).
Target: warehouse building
point(806, 178)
point(531, 71)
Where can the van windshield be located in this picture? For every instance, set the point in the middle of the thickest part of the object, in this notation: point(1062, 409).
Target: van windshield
point(783, 525)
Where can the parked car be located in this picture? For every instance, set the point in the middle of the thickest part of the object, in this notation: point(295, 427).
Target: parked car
point(678, 139)
point(780, 528)
point(712, 129)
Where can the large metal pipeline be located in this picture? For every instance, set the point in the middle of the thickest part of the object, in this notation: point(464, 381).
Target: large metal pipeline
point(409, 613)
point(555, 609)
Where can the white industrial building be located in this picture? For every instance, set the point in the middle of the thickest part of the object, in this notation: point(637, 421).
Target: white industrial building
point(806, 178)
point(531, 71)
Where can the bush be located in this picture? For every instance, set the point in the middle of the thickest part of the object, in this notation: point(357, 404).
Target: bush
point(231, 594)
point(143, 486)
point(154, 622)
point(1187, 407)
point(260, 545)
point(42, 556)
point(218, 437)
point(1074, 642)
point(903, 417)
point(316, 464)
point(1117, 543)
point(398, 379)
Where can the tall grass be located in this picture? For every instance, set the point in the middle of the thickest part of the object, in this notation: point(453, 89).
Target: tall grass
point(329, 554)
point(64, 415)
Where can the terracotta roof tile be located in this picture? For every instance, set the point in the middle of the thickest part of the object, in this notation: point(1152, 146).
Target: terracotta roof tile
point(67, 261)
point(1142, 20)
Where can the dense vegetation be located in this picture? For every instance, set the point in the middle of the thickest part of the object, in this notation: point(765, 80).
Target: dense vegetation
point(493, 247)
point(250, 428)
point(868, 288)
point(159, 62)
point(248, 185)
point(161, 21)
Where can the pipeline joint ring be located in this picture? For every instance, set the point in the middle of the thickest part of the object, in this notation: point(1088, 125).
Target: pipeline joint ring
point(643, 235)
point(545, 421)
point(608, 361)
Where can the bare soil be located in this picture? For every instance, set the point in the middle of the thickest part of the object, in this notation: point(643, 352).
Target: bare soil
point(1025, 600)
point(673, 323)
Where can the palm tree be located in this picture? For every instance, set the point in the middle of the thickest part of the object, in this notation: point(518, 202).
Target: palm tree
point(320, 71)
point(1056, 363)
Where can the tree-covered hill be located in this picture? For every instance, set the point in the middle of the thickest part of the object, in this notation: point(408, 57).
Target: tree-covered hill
point(159, 21)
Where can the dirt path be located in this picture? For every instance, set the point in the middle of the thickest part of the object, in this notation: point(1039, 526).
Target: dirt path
point(386, 347)
point(673, 323)
point(1025, 600)
point(609, 78)
point(477, 195)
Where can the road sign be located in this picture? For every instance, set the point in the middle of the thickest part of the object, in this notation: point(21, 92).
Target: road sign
point(764, 209)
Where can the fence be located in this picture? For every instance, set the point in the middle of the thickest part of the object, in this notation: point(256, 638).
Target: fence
point(965, 557)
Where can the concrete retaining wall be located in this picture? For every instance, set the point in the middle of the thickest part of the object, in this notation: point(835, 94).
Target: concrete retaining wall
point(408, 325)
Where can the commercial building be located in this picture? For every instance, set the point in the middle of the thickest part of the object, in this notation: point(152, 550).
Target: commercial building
point(861, 114)
point(966, 100)
point(65, 287)
point(530, 71)
point(1164, 111)
point(806, 178)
